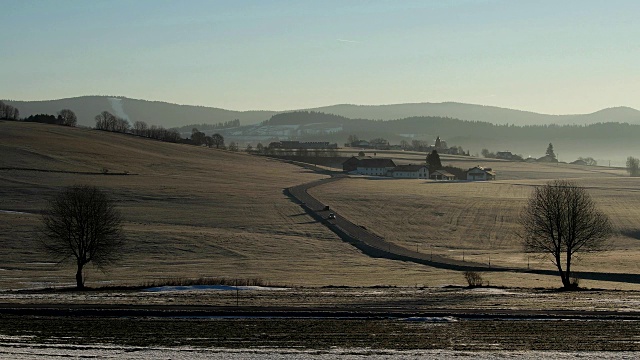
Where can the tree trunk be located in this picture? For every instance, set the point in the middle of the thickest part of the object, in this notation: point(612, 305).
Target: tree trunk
point(564, 275)
point(79, 279)
point(568, 272)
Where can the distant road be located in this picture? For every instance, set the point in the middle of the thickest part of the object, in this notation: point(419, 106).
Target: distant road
point(376, 246)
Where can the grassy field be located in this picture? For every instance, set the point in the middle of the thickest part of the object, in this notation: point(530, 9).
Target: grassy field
point(192, 212)
point(478, 220)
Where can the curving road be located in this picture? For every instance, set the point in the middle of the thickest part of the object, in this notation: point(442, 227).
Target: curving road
point(376, 246)
point(370, 243)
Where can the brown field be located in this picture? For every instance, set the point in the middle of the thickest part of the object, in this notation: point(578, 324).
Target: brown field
point(479, 219)
point(197, 212)
point(190, 212)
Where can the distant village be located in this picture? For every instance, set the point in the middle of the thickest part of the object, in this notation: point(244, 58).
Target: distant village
point(386, 167)
point(367, 165)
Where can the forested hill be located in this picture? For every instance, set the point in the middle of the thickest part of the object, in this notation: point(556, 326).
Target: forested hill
point(174, 115)
point(492, 114)
point(151, 112)
point(452, 128)
point(605, 141)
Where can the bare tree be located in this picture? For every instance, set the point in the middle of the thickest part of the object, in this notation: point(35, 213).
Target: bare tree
point(122, 125)
point(8, 112)
point(140, 128)
point(82, 224)
point(633, 166)
point(560, 220)
point(106, 121)
point(68, 117)
point(218, 140)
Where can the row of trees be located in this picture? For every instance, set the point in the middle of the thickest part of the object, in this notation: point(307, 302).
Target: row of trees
point(108, 122)
point(65, 117)
point(8, 112)
point(268, 150)
point(199, 138)
point(221, 125)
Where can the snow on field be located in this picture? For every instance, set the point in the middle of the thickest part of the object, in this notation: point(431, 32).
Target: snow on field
point(22, 351)
point(211, 287)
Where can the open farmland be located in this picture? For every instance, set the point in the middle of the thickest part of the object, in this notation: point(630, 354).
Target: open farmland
point(478, 220)
point(190, 212)
point(197, 212)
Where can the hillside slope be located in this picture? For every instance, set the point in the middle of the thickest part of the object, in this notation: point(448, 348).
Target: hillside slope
point(190, 212)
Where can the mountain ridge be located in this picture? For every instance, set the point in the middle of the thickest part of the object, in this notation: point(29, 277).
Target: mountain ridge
point(176, 115)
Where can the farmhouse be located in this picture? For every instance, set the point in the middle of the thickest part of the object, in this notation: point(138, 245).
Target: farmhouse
point(377, 166)
point(505, 155)
point(352, 163)
point(410, 172)
point(480, 173)
point(442, 175)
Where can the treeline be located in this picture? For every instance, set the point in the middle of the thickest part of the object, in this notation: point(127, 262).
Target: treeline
point(206, 127)
point(450, 128)
point(106, 121)
point(8, 112)
point(305, 117)
point(274, 149)
point(65, 117)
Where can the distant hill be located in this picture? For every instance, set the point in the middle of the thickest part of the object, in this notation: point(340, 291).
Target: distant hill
point(491, 114)
point(152, 112)
point(173, 115)
point(611, 141)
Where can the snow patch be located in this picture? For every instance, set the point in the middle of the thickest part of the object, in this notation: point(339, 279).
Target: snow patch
point(210, 288)
point(13, 212)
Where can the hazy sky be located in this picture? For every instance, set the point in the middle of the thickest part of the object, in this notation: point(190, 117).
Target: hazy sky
point(544, 56)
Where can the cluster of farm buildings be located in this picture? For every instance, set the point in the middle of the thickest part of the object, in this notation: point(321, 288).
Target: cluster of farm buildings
point(366, 165)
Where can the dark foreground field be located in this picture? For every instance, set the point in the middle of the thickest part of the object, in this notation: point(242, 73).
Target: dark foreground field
point(380, 319)
point(325, 333)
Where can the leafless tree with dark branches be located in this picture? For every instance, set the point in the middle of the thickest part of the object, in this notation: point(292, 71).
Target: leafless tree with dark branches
point(82, 224)
point(561, 220)
point(67, 117)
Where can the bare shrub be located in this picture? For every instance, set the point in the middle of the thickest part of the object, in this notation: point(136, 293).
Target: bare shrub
point(207, 281)
point(473, 278)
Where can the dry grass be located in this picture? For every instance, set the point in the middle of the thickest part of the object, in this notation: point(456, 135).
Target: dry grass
point(478, 220)
point(190, 212)
point(195, 212)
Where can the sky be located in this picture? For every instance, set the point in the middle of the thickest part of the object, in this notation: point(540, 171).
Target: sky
point(555, 57)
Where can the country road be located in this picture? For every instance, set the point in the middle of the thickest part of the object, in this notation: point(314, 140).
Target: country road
point(376, 246)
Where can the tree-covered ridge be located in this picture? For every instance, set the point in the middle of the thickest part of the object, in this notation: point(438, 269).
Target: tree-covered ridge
point(304, 118)
point(450, 127)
